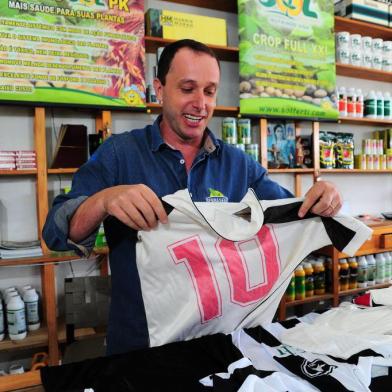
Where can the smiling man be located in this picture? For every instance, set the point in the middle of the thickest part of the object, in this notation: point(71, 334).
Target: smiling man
point(123, 182)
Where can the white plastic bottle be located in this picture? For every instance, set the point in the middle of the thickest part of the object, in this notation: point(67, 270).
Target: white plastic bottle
point(380, 268)
point(380, 104)
point(387, 106)
point(16, 319)
point(359, 103)
point(371, 278)
point(371, 105)
point(1, 320)
point(388, 267)
point(30, 298)
point(362, 272)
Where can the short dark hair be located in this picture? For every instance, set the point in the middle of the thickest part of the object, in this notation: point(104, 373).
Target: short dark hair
point(170, 50)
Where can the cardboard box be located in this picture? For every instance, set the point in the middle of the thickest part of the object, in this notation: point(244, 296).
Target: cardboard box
point(178, 25)
point(367, 10)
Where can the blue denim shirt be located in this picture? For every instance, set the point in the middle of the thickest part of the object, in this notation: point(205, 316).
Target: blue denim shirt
point(142, 157)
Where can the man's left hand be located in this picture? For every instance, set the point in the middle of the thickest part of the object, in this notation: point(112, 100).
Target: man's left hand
point(322, 199)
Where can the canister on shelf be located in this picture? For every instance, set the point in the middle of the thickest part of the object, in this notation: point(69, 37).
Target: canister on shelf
point(252, 150)
point(229, 130)
point(244, 131)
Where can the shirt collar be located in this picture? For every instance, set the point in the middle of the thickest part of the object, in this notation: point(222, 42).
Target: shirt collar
point(210, 144)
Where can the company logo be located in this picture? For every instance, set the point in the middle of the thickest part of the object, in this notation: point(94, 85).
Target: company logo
point(291, 8)
point(316, 368)
point(216, 196)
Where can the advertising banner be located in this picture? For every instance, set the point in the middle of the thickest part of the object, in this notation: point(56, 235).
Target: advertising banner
point(287, 58)
point(73, 52)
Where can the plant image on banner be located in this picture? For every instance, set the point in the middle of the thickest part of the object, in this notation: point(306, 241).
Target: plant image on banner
point(287, 58)
point(75, 52)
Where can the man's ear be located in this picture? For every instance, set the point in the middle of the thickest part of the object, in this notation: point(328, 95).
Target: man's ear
point(158, 87)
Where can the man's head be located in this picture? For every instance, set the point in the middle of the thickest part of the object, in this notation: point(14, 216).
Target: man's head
point(170, 50)
point(187, 85)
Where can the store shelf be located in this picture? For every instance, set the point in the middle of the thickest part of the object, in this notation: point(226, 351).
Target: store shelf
point(359, 27)
point(363, 73)
point(62, 171)
point(18, 172)
point(220, 111)
point(360, 290)
point(365, 121)
point(355, 171)
point(298, 170)
point(220, 5)
point(224, 53)
point(314, 298)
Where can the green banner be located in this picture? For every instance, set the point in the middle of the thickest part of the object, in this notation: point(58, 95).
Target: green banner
point(287, 58)
point(73, 52)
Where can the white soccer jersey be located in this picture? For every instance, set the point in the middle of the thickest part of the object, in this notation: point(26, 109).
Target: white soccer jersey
point(212, 269)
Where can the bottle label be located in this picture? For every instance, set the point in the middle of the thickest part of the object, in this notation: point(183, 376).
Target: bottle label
point(319, 280)
point(370, 107)
point(387, 108)
point(362, 275)
point(371, 273)
point(32, 312)
point(16, 321)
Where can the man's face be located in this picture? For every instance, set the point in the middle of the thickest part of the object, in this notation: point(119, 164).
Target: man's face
point(189, 94)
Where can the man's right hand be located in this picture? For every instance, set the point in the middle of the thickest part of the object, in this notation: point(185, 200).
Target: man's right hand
point(137, 206)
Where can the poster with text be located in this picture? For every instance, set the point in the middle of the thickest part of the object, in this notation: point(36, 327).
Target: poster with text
point(287, 58)
point(73, 52)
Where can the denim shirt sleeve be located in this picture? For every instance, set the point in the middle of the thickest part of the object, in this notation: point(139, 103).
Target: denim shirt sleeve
point(96, 174)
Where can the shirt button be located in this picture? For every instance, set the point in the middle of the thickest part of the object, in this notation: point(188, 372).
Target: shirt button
point(182, 161)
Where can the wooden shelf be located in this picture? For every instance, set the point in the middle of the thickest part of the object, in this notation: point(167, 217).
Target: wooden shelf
point(224, 53)
point(365, 121)
point(314, 298)
point(359, 27)
point(355, 171)
point(62, 171)
point(220, 111)
point(362, 289)
point(220, 5)
point(298, 170)
point(39, 338)
point(18, 172)
point(363, 73)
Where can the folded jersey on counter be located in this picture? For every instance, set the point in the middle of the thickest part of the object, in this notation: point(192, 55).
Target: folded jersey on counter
point(217, 267)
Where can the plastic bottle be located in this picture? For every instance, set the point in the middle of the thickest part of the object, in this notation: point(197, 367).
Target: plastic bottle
point(388, 267)
point(387, 106)
point(362, 272)
point(359, 103)
point(299, 282)
point(353, 278)
point(16, 318)
point(371, 105)
point(342, 104)
point(351, 102)
point(380, 268)
point(309, 279)
point(290, 292)
point(30, 298)
point(344, 274)
point(380, 104)
point(371, 277)
point(319, 278)
point(1, 320)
